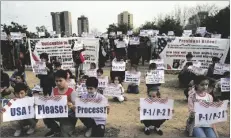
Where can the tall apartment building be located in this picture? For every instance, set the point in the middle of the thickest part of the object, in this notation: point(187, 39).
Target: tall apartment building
point(62, 23)
point(125, 18)
point(83, 25)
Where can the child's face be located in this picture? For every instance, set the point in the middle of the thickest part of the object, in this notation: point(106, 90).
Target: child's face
point(43, 60)
point(21, 94)
point(91, 90)
point(116, 81)
point(18, 79)
point(152, 94)
point(203, 86)
point(133, 69)
point(60, 82)
point(99, 74)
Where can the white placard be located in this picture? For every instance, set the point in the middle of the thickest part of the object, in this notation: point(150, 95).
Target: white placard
point(51, 107)
point(170, 33)
point(3, 36)
point(196, 70)
point(120, 44)
point(155, 108)
point(119, 33)
point(118, 66)
point(81, 90)
point(103, 82)
point(15, 35)
point(187, 33)
point(134, 41)
point(19, 109)
point(155, 77)
point(201, 30)
point(112, 33)
point(210, 113)
point(78, 45)
point(159, 63)
point(216, 36)
point(91, 73)
point(143, 32)
point(225, 84)
point(112, 90)
point(220, 69)
point(39, 68)
point(41, 34)
point(129, 32)
point(132, 77)
point(91, 107)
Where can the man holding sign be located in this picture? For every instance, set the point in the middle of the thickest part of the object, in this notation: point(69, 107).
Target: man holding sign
point(92, 109)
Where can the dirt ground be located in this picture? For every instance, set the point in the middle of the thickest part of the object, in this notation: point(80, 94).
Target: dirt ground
point(123, 120)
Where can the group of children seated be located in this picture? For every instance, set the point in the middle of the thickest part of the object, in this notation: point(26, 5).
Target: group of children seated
point(62, 82)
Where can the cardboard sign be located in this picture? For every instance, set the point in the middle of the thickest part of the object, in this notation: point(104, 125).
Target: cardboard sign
point(159, 63)
point(220, 69)
point(134, 41)
point(51, 107)
point(210, 113)
point(132, 78)
point(225, 84)
point(197, 71)
point(118, 66)
point(155, 77)
point(112, 90)
point(155, 108)
point(91, 107)
point(103, 82)
point(18, 109)
point(39, 68)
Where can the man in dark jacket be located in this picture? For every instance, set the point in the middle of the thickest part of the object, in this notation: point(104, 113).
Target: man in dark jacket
point(5, 83)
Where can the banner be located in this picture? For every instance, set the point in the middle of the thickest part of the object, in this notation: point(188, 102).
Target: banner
point(159, 63)
point(103, 82)
point(225, 84)
point(134, 41)
point(132, 77)
point(118, 66)
point(39, 68)
point(91, 107)
point(51, 107)
point(220, 69)
point(197, 71)
point(155, 77)
point(174, 50)
point(112, 90)
point(208, 113)
point(18, 109)
point(155, 108)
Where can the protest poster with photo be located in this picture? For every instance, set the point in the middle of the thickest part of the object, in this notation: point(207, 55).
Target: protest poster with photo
point(156, 108)
point(220, 69)
point(39, 68)
point(18, 109)
point(155, 77)
point(134, 41)
point(174, 50)
point(91, 107)
point(225, 84)
point(51, 107)
point(208, 113)
point(103, 82)
point(197, 71)
point(132, 77)
point(159, 63)
point(112, 90)
point(118, 66)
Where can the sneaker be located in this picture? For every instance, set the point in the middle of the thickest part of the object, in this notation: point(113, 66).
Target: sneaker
point(151, 127)
point(30, 131)
point(17, 133)
point(146, 131)
point(159, 132)
point(88, 133)
point(50, 133)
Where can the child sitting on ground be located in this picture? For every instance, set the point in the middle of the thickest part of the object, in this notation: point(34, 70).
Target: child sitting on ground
point(117, 82)
point(100, 76)
point(133, 87)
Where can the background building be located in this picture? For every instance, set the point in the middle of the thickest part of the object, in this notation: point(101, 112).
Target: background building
point(83, 25)
point(125, 18)
point(62, 23)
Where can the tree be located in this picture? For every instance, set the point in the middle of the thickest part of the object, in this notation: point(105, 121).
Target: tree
point(149, 25)
point(43, 29)
point(124, 28)
point(112, 28)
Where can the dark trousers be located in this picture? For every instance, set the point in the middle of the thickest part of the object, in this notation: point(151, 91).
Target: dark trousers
point(133, 89)
point(97, 130)
point(47, 91)
point(67, 125)
point(155, 123)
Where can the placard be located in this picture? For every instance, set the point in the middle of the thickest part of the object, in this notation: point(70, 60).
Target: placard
point(118, 66)
point(120, 44)
point(91, 73)
point(129, 32)
point(155, 108)
point(81, 90)
point(3, 36)
point(155, 77)
point(16, 35)
point(91, 107)
point(119, 33)
point(159, 63)
point(220, 69)
point(112, 33)
point(39, 68)
point(187, 33)
point(197, 71)
point(132, 77)
point(170, 33)
point(225, 84)
point(201, 30)
point(41, 34)
point(112, 90)
point(51, 107)
point(208, 113)
point(134, 41)
point(103, 82)
point(18, 109)
point(216, 36)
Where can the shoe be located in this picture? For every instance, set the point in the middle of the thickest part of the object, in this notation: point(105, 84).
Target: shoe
point(146, 131)
point(17, 133)
point(151, 127)
point(30, 131)
point(88, 133)
point(159, 132)
point(51, 133)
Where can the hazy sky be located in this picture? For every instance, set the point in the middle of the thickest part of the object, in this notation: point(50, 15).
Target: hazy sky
point(100, 13)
